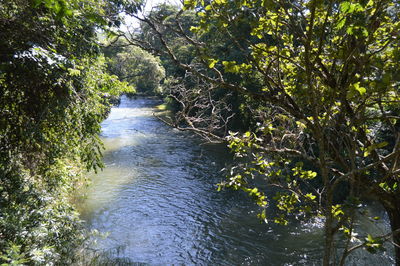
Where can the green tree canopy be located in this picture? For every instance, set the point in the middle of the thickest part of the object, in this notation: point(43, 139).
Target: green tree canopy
point(326, 93)
point(135, 66)
point(52, 85)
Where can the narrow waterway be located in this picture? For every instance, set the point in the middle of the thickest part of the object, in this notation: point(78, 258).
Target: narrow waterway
point(157, 200)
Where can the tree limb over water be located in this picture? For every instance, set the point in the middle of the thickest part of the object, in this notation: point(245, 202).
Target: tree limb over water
point(320, 83)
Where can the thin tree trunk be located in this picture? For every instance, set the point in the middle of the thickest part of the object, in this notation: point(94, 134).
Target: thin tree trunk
point(394, 217)
point(328, 252)
point(328, 246)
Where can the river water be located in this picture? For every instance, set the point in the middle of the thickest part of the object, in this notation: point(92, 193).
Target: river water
point(157, 201)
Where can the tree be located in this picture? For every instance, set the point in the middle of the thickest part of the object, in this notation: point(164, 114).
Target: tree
point(327, 100)
point(51, 105)
point(136, 66)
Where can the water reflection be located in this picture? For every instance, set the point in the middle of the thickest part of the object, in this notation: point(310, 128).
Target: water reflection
point(157, 199)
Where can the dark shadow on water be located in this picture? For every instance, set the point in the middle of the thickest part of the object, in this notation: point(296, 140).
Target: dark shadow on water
point(157, 198)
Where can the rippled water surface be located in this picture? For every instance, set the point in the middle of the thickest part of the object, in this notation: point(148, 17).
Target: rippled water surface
point(157, 199)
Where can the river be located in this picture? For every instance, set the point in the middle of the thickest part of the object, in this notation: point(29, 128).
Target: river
point(157, 200)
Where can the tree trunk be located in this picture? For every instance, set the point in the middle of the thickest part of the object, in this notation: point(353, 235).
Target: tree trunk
point(327, 259)
point(328, 249)
point(394, 217)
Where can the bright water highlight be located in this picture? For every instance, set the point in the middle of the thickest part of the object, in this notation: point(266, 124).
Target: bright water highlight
point(157, 199)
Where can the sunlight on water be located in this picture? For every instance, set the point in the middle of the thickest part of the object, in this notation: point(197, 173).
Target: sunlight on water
point(105, 187)
point(157, 199)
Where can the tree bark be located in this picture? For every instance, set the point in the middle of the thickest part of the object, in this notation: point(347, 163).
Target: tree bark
point(328, 254)
point(394, 217)
point(328, 248)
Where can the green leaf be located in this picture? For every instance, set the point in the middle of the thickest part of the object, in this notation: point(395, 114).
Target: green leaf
point(364, 32)
point(341, 23)
point(74, 72)
point(345, 7)
point(212, 62)
point(263, 215)
point(384, 186)
point(349, 30)
point(370, 239)
point(310, 196)
point(375, 146)
point(360, 90)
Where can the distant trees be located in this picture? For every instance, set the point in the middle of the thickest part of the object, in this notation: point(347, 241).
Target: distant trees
point(135, 66)
point(52, 84)
point(321, 80)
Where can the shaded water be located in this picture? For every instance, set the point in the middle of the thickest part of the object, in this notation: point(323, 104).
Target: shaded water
point(157, 199)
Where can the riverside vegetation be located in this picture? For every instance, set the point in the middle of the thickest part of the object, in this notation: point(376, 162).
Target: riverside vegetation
point(305, 93)
point(53, 88)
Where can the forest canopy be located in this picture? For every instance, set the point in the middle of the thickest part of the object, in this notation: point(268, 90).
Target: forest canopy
point(306, 94)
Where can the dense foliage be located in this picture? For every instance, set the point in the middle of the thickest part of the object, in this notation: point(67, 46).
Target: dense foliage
point(52, 87)
point(321, 82)
point(312, 87)
point(135, 66)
